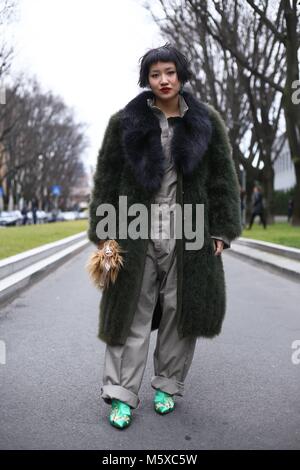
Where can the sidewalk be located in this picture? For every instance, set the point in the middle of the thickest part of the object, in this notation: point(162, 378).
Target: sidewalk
point(19, 271)
point(281, 259)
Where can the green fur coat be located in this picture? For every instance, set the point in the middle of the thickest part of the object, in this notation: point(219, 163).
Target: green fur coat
point(130, 163)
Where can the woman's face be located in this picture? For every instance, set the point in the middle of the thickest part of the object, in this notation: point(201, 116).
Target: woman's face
point(163, 80)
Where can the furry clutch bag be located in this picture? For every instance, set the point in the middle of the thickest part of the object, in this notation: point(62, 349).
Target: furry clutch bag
point(104, 264)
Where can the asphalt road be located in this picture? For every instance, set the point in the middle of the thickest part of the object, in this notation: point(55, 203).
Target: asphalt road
point(242, 391)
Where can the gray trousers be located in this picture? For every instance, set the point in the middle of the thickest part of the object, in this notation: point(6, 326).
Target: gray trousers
point(124, 365)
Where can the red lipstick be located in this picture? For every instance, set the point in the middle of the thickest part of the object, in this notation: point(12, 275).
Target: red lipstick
point(165, 90)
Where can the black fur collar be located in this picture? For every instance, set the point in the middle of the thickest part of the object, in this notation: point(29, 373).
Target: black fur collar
point(141, 139)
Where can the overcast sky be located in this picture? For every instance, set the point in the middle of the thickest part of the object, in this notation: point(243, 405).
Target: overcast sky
point(87, 51)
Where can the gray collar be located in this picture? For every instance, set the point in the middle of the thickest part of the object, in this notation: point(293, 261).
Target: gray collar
point(183, 107)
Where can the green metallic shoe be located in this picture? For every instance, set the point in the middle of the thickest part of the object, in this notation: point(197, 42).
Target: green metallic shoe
point(120, 415)
point(163, 402)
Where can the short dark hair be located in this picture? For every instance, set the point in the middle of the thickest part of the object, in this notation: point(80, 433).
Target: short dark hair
point(165, 53)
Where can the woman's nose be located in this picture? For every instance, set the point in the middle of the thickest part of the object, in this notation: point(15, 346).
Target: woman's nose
point(163, 80)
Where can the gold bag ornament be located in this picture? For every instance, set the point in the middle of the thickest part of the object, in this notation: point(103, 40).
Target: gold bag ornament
point(105, 263)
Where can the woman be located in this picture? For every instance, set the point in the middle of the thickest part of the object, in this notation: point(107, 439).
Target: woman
point(164, 147)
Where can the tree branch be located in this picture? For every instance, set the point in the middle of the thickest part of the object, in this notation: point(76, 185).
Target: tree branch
point(279, 36)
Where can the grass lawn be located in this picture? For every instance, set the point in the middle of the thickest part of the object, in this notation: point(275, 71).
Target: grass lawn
point(280, 232)
point(14, 240)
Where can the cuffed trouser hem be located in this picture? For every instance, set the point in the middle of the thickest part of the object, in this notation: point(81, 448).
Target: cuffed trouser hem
point(173, 387)
point(108, 392)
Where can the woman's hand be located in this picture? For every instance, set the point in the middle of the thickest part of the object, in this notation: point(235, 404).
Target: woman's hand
point(101, 244)
point(219, 245)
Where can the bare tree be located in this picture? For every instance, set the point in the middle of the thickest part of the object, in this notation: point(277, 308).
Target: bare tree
point(44, 146)
point(281, 19)
point(251, 110)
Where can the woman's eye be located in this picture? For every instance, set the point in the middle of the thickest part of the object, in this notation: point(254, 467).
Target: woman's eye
point(155, 75)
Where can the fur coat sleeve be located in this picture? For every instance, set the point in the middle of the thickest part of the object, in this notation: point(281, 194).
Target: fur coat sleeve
point(223, 187)
point(107, 175)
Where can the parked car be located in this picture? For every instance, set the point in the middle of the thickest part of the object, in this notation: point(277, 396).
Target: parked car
point(82, 214)
point(68, 215)
point(11, 218)
point(52, 216)
point(41, 217)
point(61, 216)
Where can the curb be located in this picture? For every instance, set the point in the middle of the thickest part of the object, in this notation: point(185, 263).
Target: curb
point(15, 263)
point(28, 267)
point(20, 271)
point(275, 248)
point(277, 258)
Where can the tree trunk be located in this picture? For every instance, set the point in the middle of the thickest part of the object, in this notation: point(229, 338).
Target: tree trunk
point(268, 183)
point(291, 108)
point(296, 210)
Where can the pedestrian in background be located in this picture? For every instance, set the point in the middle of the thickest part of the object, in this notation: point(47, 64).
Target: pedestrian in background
point(242, 197)
point(34, 208)
point(24, 213)
point(257, 207)
point(290, 208)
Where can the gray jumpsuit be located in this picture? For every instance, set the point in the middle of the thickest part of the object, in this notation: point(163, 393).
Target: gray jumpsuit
point(124, 365)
